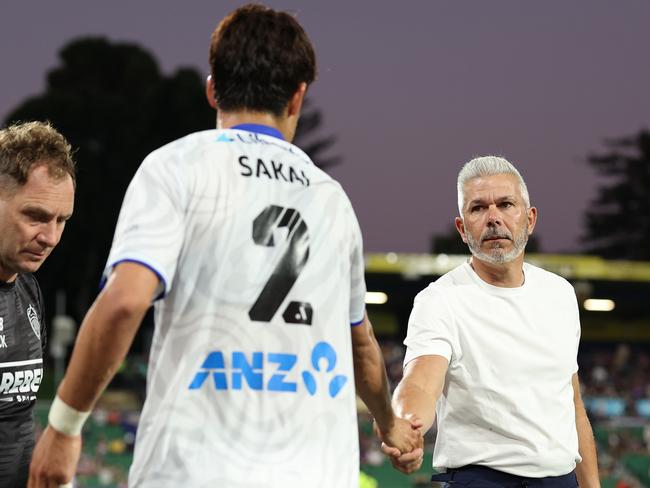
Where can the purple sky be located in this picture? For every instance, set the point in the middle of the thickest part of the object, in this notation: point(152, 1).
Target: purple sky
point(412, 90)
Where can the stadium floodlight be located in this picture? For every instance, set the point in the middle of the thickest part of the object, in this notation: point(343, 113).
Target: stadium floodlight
point(391, 257)
point(599, 305)
point(376, 297)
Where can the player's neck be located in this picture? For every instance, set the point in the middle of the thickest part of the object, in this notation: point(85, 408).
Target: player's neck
point(226, 120)
point(507, 275)
point(7, 277)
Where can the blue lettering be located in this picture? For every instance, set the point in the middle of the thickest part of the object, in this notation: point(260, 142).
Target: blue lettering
point(285, 363)
point(198, 380)
point(241, 367)
point(337, 384)
point(310, 382)
point(323, 350)
point(213, 361)
point(220, 381)
point(249, 368)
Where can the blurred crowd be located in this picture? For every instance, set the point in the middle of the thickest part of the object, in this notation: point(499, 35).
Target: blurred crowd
point(617, 372)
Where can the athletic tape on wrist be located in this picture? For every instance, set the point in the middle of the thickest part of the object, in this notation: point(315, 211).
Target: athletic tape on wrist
point(66, 419)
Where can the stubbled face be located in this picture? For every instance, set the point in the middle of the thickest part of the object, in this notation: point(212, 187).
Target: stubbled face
point(32, 218)
point(496, 223)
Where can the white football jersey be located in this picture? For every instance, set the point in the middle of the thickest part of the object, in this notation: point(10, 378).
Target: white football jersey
point(259, 255)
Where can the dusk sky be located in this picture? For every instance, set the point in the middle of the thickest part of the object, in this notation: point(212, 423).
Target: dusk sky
point(411, 90)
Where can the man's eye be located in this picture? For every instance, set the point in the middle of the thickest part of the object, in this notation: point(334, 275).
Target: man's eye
point(34, 217)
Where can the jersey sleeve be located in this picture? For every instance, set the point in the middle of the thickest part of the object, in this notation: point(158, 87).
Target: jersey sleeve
point(151, 229)
point(578, 331)
point(430, 328)
point(357, 275)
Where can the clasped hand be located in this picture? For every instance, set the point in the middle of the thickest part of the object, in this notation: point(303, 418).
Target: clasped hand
point(403, 443)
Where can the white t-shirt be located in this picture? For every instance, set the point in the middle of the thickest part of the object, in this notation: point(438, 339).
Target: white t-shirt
point(507, 401)
point(259, 255)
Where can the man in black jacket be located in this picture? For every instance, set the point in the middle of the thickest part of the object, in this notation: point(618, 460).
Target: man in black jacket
point(36, 199)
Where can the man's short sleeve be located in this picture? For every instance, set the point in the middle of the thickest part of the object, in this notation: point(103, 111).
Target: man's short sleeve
point(430, 327)
point(576, 319)
point(151, 228)
point(357, 275)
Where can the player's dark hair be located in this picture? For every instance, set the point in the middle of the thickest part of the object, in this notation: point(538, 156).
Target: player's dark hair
point(29, 144)
point(258, 58)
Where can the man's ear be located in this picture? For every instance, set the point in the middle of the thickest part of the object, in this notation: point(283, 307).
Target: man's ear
point(460, 227)
point(295, 103)
point(209, 92)
point(532, 219)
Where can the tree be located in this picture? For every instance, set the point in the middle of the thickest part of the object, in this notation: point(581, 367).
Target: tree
point(308, 139)
point(617, 223)
point(114, 105)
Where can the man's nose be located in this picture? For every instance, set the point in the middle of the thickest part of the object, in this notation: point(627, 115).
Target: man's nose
point(49, 234)
point(494, 216)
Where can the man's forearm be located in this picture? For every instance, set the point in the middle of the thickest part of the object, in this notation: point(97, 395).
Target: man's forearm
point(103, 341)
point(371, 381)
point(411, 402)
point(416, 395)
point(587, 470)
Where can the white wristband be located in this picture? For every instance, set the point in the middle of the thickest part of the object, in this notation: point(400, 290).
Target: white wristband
point(66, 419)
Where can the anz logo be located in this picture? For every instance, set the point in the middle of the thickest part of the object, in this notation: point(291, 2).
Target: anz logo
point(269, 372)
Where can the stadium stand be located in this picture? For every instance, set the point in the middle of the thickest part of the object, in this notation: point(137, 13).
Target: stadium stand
point(614, 362)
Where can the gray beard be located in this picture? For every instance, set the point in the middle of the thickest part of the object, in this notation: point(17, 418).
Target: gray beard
point(497, 255)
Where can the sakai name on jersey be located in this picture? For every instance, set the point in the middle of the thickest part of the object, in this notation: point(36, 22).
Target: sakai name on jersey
point(272, 171)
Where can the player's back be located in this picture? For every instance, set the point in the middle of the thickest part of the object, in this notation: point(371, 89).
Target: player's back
point(250, 380)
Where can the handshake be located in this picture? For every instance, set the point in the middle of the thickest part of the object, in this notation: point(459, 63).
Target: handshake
point(403, 443)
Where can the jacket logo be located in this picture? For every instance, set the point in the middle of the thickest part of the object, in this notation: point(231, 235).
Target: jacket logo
point(33, 320)
point(17, 382)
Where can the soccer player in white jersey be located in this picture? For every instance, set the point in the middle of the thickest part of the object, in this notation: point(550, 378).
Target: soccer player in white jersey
point(492, 353)
point(253, 257)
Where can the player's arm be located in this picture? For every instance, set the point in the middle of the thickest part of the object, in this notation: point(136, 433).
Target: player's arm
point(106, 334)
point(104, 339)
point(416, 395)
point(372, 386)
point(587, 470)
point(415, 400)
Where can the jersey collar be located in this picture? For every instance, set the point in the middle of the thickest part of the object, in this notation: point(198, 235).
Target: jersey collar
point(7, 285)
point(260, 129)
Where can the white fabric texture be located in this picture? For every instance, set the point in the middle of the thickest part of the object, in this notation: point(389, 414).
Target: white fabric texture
point(507, 402)
point(237, 398)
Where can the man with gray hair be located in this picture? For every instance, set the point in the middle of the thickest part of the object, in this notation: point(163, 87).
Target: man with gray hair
point(491, 353)
point(491, 166)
